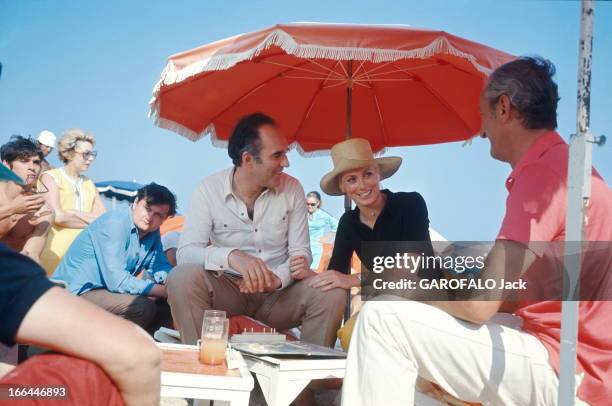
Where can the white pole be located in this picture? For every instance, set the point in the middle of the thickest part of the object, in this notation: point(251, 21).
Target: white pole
point(578, 193)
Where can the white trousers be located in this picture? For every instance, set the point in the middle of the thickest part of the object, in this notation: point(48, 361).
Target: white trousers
point(395, 342)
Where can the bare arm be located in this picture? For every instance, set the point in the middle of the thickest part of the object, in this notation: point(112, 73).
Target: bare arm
point(97, 210)
point(506, 258)
point(19, 203)
point(134, 365)
point(42, 222)
point(64, 218)
point(98, 206)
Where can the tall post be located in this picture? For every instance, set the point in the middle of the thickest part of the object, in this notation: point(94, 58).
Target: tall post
point(348, 133)
point(578, 194)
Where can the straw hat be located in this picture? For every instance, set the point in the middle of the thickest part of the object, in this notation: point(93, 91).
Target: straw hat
point(353, 154)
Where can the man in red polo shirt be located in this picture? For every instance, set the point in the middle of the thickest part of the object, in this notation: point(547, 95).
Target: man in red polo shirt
point(467, 348)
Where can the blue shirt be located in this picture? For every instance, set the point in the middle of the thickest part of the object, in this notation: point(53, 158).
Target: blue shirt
point(318, 225)
point(109, 252)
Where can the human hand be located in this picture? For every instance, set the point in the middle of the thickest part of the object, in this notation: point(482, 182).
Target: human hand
point(44, 214)
point(27, 203)
point(256, 276)
point(331, 279)
point(275, 285)
point(299, 268)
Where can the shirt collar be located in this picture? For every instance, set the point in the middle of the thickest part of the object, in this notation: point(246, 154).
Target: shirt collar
point(227, 185)
point(133, 228)
point(544, 143)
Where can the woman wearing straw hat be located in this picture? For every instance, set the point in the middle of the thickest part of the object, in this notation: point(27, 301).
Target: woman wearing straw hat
point(380, 215)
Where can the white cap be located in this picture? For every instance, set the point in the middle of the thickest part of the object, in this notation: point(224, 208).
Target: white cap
point(170, 240)
point(47, 138)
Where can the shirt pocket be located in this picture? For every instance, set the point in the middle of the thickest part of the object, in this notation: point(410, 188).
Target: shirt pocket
point(276, 229)
point(229, 233)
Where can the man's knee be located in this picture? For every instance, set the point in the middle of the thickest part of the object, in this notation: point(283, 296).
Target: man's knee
point(333, 300)
point(376, 312)
point(141, 311)
point(183, 278)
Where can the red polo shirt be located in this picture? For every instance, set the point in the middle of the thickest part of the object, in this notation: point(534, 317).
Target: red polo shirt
point(535, 211)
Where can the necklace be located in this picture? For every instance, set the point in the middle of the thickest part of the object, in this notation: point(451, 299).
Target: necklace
point(372, 214)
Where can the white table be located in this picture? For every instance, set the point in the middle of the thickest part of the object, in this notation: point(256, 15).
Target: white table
point(233, 388)
point(282, 380)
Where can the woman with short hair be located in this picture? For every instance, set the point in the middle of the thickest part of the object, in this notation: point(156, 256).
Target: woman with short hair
point(319, 223)
point(72, 196)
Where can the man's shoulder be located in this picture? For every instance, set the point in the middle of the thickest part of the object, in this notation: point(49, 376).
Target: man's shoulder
point(215, 179)
point(289, 184)
point(552, 162)
point(117, 218)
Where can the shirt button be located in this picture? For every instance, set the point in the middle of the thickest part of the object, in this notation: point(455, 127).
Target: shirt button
point(221, 267)
point(255, 230)
point(259, 250)
point(242, 214)
point(224, 225)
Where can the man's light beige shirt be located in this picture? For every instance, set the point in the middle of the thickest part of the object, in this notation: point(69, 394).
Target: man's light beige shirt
point(218, 223)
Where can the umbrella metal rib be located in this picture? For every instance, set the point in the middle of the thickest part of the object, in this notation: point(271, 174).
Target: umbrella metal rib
point(344, 78)
point(440, 99)
point(311, 104)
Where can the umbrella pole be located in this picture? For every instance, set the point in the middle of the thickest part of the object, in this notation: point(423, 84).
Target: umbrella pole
point(349, 106)
point(348, 134)
point(578, 194)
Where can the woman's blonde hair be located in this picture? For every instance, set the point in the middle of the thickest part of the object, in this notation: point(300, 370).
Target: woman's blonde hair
point(68, 142)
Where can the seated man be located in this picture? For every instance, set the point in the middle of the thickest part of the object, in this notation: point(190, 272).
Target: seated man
point(32, 311)
point(463, 346)
point(24, 219)
point(118, 262)
point(245, 233)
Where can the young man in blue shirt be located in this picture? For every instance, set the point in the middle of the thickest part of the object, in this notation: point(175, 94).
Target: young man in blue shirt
point(118, 261)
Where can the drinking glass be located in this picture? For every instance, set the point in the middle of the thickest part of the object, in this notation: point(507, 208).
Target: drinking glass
point(214, 340)
point(214, 313)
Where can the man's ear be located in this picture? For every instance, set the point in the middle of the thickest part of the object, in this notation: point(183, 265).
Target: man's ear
point(504, 108)
point(247, 157)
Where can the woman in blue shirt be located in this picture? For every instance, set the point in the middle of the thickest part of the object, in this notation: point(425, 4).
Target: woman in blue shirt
point(319, 223)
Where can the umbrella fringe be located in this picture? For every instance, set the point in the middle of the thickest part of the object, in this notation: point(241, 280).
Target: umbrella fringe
point(175, 127)
point(189, 133)
point(283, 40)
point(220, 143)
point(280, 38)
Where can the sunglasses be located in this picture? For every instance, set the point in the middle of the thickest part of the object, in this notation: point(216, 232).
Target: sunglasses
point(35, 188)
point(312, 204)
point(87, 155)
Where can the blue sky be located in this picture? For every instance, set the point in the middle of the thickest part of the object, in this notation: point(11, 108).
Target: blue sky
point(93, 65)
